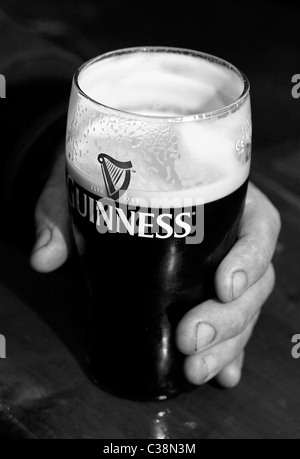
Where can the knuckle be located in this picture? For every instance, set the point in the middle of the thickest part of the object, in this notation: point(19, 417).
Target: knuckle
point(241, 323)
point(265, 286)
point(263, 257)
point(238, 323)
point(258, 254)
point(272, 216)
point(261, 246)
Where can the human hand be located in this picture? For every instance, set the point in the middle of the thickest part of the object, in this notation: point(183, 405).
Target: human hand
point(214, 334)
point(53, 241)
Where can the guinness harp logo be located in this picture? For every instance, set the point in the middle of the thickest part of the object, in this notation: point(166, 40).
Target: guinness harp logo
point(116, 175)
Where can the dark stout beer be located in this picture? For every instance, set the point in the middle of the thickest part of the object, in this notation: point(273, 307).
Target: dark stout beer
point(141, 288)
point(142, 188)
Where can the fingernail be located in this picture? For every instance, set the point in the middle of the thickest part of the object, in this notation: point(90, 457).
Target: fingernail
point(239, 284)
point(43, 239)
point(210, 364)
point(205, 335)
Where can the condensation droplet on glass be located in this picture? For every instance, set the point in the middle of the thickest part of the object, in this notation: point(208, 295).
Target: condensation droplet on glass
point(135, 143)
point(169, 173)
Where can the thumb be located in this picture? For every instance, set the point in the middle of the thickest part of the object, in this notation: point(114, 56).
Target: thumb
point(52, 224)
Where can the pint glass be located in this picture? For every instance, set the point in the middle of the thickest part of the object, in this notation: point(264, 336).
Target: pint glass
point(158, 156)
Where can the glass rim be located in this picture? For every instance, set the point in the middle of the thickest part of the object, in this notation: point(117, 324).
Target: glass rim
point(218, 113)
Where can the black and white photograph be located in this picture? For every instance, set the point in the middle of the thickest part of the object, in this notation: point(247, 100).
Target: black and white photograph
point(150, 222)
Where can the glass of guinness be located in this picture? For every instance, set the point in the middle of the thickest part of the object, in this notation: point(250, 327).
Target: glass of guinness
point(158, 156)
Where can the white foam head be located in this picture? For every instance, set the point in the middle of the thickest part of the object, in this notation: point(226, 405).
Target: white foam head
point(178, 117)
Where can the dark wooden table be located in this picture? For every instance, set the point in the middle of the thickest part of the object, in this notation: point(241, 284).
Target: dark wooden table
point(44, 392)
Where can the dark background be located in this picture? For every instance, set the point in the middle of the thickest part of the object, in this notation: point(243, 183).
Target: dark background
point(43, 391)
point(260, 37)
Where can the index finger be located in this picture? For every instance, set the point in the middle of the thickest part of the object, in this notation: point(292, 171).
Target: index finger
point(249, 259)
